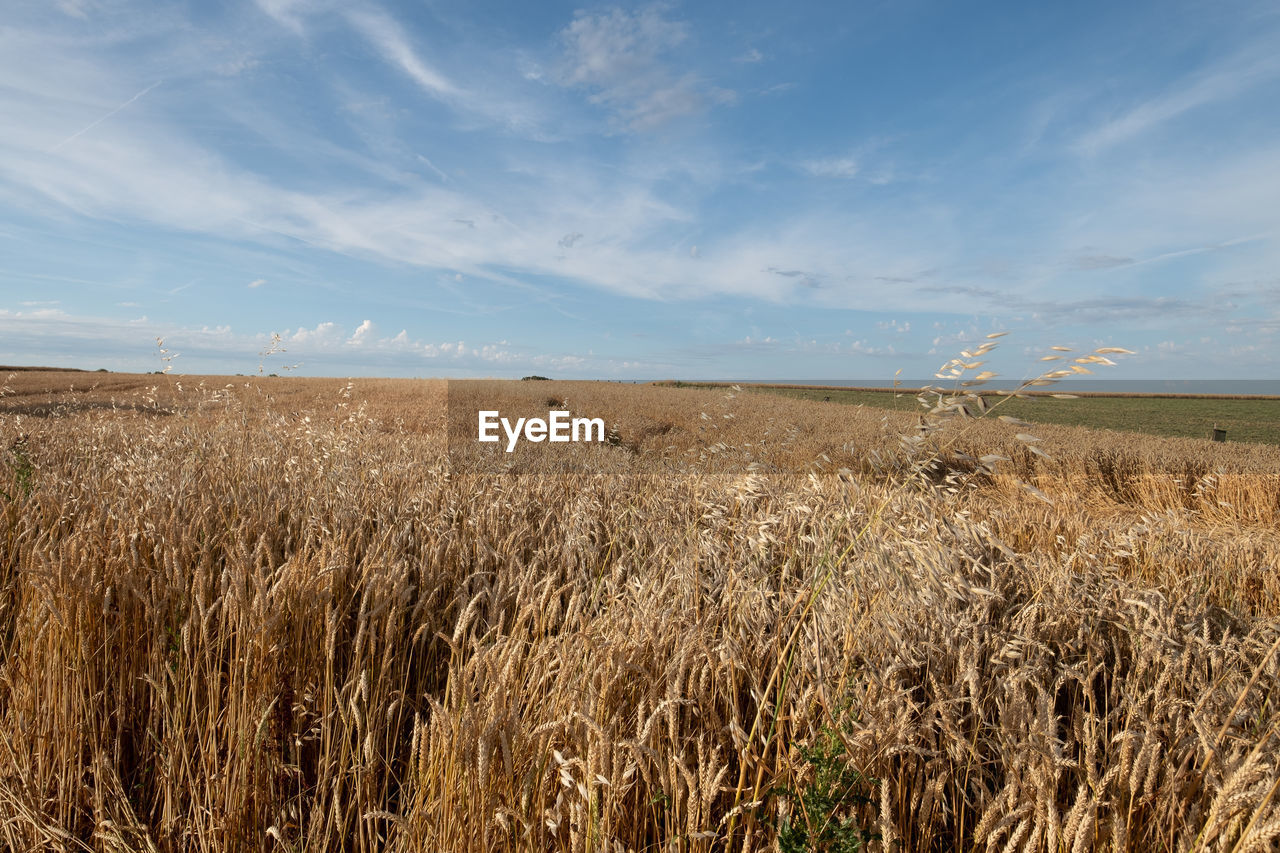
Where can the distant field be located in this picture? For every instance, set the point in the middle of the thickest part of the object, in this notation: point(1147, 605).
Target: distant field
point(1244, 419)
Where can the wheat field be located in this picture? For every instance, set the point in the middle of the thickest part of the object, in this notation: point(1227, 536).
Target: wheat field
point(287, 614)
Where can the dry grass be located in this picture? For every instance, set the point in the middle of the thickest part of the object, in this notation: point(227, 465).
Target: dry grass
point(281, 616)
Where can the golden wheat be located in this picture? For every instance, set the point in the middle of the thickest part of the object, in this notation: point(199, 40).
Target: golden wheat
point(280, 615)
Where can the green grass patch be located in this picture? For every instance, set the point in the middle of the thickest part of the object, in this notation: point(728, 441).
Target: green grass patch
point(1244, 419)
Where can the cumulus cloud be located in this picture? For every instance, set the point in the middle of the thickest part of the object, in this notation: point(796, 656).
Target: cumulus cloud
point(52, 336)
point(324, 335)
point(364, 333)
point(865, 348)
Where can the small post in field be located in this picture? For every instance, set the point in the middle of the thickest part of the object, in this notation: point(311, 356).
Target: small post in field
point(1219, 434)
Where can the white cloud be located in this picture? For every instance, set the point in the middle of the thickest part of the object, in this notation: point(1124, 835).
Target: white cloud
point(54, 337)
point(236, 65)
point(604, 49)
point(364, 334)
point(390, 41)
point(74, 8)
point(257, 282)
point(617, 55)
point(285, 12)
point(161, 176)
point(864, 348)
point(99, 121)
point(835, 167)
point(53, 332)
point(325, 335)
point(1227, 80)
point(777, 88)
point(165, 176)
point(487, 97)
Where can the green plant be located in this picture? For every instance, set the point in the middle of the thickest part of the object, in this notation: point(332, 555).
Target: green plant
point(19, 462)
point(826, 811)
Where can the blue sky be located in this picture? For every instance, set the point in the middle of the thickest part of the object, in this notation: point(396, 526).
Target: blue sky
point(738, 189)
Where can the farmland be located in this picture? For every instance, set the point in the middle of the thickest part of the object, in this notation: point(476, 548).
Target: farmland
point(1244, 419)
point(306, 614)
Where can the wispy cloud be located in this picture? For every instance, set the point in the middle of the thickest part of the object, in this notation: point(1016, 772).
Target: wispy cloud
point(1085, 311)
point(1228, 80)
point(834, 167)
point(288, 13)
point(777, 88)
point(1098, 262)
point(417, 166)
point(99, 121)
point(619, 57)
point(74, 8)
point(386, 36)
